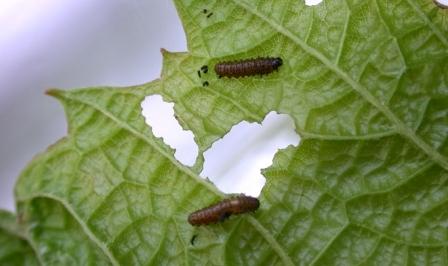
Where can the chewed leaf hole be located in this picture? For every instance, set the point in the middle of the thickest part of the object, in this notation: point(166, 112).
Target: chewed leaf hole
point(441, 3)
point(160, 116)
point(234, 162)
point(312, 2)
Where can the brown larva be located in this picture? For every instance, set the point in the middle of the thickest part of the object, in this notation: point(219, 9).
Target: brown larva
point(248, 67)
point(220, 211)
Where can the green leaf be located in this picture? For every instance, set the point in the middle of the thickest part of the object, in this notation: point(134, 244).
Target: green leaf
point(15, 250)
point(366, 83)
point(57, 236)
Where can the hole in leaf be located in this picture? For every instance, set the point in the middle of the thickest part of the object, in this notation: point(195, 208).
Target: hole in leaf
point(160, 116)
point(441, 3)
point(234, 162)
point(312, 2)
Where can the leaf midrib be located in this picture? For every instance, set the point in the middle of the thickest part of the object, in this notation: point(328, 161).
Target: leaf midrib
point(401, 127)
point(269, 238)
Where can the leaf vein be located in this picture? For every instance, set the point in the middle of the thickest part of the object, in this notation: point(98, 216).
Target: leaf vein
point(436, 31)
point(401, 127)
point(260, 228)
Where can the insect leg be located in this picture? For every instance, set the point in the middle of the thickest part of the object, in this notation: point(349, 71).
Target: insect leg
point(224, 216)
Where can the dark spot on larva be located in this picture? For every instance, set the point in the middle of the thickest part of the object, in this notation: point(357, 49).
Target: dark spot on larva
point(205, 84)
point(199, 73)
point(204, 11)
point(209, 15)
point(224, 216)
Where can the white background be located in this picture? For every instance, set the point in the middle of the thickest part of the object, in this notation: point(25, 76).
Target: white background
point(69, 44)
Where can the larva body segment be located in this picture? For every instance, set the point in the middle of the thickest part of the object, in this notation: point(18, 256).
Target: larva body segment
point(248, 67)
point(242, 204)
point(220, 211)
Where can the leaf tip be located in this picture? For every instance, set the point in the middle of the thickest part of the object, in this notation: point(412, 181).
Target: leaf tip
point(163, 51)
point(57, 93)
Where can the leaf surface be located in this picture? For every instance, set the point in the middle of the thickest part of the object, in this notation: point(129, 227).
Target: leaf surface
point(366, 83)
point(15, 250)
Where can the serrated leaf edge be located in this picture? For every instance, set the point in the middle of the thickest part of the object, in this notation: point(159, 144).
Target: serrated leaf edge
point(63, 95)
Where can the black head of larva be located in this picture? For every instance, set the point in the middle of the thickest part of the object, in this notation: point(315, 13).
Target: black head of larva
point(277, 62)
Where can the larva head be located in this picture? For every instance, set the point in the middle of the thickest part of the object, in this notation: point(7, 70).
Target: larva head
point(277, 62)
point(242, 204)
